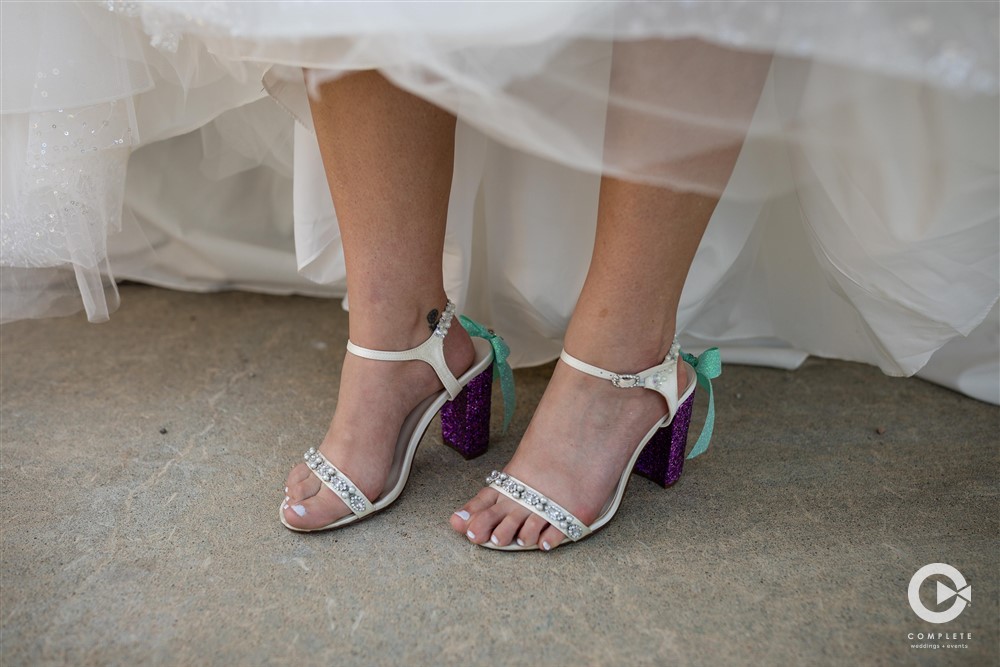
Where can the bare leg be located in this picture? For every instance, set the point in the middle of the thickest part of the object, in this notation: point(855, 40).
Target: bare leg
point(389, 158)
point(584, 429)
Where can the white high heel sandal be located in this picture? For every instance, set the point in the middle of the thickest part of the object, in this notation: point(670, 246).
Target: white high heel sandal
point(464, 404)
point(659, 455)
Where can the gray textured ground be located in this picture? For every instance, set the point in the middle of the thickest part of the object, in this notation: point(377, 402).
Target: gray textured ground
point(791, 542)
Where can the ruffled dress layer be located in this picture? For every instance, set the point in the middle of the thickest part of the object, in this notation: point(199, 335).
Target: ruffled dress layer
point(171, 143)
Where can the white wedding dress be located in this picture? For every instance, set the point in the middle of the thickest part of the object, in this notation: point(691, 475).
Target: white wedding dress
point(170, 143)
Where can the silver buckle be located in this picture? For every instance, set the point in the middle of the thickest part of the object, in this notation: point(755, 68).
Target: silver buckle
point(626, 381)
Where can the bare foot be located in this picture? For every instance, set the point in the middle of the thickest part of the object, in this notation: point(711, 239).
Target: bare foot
point(374, 399)
point(579, 441)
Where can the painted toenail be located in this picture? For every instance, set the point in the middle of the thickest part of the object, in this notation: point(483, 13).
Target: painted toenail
point(463, 515)
point(299, 509)
point(520, 542)
point(546, 545)
point(470, 534)
point(286, 489)
point(286, 499)
point(494, 540)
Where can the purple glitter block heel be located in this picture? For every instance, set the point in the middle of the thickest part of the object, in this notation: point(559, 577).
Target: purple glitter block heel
point(662, 459)
point(465, 421)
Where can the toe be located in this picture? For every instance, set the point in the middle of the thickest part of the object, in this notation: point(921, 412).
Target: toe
point(550, 538)
point(459, 521)
point(315, 511)
point(532, 528)
point(482, 524)
point(482, 501)
point(302, 483)
point(504, 533)
point(298, 474)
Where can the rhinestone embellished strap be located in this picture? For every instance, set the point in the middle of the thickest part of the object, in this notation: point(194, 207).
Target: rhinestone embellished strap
point(531, 499)
point(661, 379)
point(338, 482)
point(430, 351)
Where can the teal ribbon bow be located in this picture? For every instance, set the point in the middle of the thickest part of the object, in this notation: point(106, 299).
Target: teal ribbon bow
point(707, 367)
point(500, 354)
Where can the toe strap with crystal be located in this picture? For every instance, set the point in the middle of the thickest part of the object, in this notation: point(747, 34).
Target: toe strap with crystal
point(534, 501)
point(338, 482)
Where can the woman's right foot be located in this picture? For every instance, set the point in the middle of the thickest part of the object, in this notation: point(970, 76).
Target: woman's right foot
point(373, 400)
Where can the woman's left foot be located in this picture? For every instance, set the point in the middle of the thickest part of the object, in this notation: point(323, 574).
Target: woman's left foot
point(580, 439)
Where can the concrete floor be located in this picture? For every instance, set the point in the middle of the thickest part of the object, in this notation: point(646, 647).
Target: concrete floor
point(791, 542)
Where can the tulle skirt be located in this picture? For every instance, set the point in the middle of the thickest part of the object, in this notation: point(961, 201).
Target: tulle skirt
point(172, 143)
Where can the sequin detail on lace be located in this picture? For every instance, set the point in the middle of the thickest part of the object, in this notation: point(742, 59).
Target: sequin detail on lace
point(69, 197)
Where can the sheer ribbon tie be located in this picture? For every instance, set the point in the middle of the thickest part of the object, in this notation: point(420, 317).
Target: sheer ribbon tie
point(707, 367)
point(500, 354)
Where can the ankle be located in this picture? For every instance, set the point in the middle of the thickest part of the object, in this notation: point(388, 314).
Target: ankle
point(412, 326)
point(621, 353)
point(395, 326)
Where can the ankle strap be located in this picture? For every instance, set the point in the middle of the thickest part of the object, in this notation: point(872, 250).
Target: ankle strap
point(431, 351)
point(661, 378)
